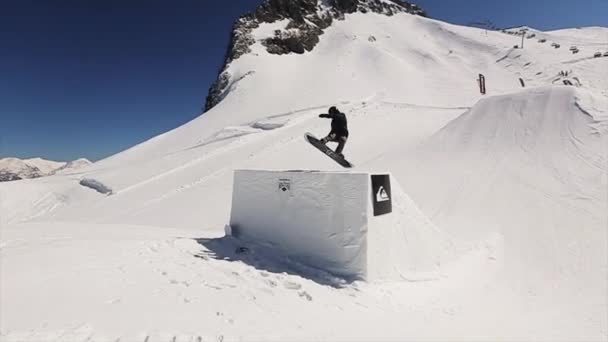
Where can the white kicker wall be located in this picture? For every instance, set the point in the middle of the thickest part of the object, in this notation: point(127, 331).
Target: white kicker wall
point(321, 220)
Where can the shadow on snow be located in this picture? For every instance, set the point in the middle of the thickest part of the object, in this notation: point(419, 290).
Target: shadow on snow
point(230, 249)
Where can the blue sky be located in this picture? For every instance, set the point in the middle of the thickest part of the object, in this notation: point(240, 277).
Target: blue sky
point(91, 78)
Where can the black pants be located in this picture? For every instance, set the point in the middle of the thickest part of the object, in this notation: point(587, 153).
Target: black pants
point(333, 137)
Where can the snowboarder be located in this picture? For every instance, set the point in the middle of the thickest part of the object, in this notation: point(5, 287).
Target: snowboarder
point(339, 129)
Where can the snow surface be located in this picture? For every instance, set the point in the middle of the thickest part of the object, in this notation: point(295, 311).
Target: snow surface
point(516, 181)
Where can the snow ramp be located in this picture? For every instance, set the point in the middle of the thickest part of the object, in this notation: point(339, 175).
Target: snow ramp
point(530, 167)
point(550, 140)
point(354, 225)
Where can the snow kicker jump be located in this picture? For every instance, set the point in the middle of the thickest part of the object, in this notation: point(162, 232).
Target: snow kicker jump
point(353, 225)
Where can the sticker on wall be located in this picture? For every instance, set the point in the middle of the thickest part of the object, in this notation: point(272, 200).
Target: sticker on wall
point(285, 185)
point(381, 191)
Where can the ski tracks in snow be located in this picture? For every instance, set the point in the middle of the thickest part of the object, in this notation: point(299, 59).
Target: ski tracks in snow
point(241, 136)
point(187, 264)
point(270, 123)
point(85, 333)
point(238, 135)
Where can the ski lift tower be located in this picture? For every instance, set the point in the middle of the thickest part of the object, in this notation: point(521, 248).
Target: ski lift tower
point(523, 32)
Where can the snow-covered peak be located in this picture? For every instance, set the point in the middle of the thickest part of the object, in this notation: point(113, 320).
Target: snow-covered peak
point(293, 27)
point(16, 169)
point(45, 166)
point(73, 165)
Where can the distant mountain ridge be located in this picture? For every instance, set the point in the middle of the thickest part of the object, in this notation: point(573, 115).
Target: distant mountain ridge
point(12, 169)
point(305, 21)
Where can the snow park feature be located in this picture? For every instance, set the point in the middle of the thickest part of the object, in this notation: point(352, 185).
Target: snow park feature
point(342, 223)
point(498, 200)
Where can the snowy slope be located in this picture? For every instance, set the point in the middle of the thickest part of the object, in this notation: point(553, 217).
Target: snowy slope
point(517, 180)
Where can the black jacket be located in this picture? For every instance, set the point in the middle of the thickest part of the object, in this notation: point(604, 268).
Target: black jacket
point(338, 123)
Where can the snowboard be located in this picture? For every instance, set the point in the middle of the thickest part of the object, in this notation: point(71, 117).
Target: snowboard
point(327, 151)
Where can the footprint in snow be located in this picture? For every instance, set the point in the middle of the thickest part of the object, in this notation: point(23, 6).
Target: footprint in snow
point(305, 295)
point(114, 301)
point(292, 286)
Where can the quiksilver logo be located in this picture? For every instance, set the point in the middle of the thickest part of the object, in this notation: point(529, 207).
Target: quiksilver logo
point(382, 195)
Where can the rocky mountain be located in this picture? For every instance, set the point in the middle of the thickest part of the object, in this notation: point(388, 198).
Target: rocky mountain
point(305, 21)
point(15, 169)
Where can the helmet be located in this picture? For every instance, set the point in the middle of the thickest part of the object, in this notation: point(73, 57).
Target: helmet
point(333, 110)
